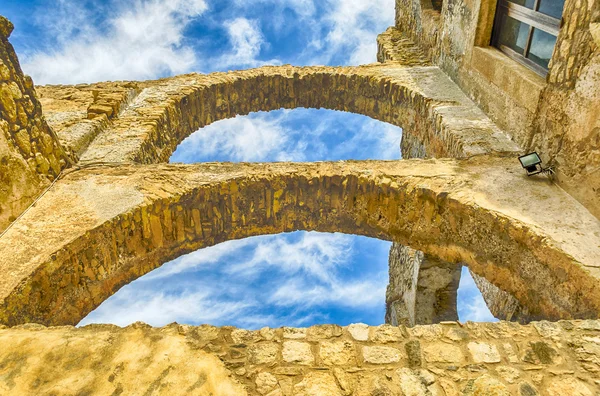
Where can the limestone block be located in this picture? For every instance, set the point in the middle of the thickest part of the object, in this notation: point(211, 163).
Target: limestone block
point(486, 385)
point(294, 333)
point(509, 374)
point(340, 353)
point(410, 383)
point(568, 386)
point(359, 331)
point(381, 355)
point(267, 333)
point(6, 27)
point(484, 353)
point(526, 389)
point(439, 352)
point(317, 383)
point(297, 352)
point(324, 331)
point(241, 336)
point(7, 103)
point(541, 353)
point(263, 353)
point(265, 382)
point(385, 333)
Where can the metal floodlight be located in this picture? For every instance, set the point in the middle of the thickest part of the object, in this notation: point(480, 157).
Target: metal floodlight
point(532, 163)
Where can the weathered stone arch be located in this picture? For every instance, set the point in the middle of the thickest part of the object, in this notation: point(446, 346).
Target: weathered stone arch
point(420, 99)
point(118, 223)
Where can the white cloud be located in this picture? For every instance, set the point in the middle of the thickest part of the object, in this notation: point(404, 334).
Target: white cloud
point(142, 40)
point(241, 139)
point(158, 308)
point(375, 139)
point(316, 256)
point(353, 26)
point(293, 279)
point(292, 135)
point(338, 292)
point(247, 40)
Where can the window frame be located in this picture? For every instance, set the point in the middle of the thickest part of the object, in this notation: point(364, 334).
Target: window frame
point(531, 17)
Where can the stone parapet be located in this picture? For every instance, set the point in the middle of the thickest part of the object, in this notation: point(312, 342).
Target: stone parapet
point(450, 359)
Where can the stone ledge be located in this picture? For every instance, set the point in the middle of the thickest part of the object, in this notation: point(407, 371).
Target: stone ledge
point(520, 83)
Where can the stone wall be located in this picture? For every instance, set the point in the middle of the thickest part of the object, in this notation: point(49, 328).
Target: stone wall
point(557, 115)
point(567, 127)
point(422, 290)
point(450, 359)
point(30, 155)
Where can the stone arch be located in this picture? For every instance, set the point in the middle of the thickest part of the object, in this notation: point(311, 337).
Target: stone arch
point(120, 223)
point(421, 100)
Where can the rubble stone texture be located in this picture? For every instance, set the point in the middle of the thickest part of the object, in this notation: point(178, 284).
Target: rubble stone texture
point(117, 211)
point(30, 154)
point(542, 358)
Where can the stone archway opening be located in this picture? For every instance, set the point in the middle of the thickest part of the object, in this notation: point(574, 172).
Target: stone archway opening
point(338, 281)
point(297, 279)
point(299, 135)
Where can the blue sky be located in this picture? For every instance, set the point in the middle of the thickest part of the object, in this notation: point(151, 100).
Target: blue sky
point(294, 279)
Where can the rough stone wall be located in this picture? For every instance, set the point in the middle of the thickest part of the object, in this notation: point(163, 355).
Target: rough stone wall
point(567, 126)
point(30, 155)
point(80, 113)
point(557, 116)
point(450, 359)
point(401, 293)
point(422, 290)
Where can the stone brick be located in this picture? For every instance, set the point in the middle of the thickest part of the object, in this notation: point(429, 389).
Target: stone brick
point(337, 353)
point(410, 383)
point(264, 353)
point(294, 333)
point(484, 353)
point(359, 331)
point(486, 385)
point(297, 352)
point(381, 355)
point(265, 382)
point(385, 333)
point(568, 386)
point(317, 383)
point(443, 353)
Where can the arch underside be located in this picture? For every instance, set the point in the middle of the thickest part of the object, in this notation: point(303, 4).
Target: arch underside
point(104, 226)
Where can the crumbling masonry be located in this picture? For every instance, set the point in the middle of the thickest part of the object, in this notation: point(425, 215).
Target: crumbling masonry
point(109, 209)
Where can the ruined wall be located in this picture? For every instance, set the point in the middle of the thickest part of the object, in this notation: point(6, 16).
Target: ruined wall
point(30, 155)
point(451, 359)
point(557, 115)
point(422, 290)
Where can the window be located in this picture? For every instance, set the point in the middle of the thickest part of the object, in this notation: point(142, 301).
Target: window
point(526, 30)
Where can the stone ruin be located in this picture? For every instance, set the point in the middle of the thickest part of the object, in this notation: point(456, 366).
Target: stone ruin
point(88, 203)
